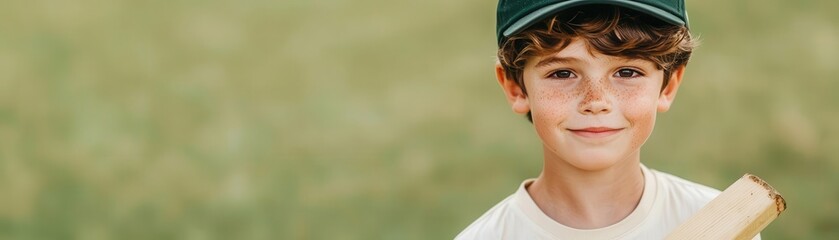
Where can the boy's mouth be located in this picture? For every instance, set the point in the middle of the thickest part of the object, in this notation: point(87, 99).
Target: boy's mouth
point(595, 132)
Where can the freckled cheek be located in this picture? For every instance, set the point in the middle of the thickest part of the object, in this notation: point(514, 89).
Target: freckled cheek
point(643, 130)
point(638, 102)
point(639, 108)
point(549, 105)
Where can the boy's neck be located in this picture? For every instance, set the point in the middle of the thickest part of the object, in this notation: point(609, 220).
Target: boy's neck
point(588, 199)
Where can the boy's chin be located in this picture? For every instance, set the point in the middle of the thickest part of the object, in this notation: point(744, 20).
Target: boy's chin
point(595, 161)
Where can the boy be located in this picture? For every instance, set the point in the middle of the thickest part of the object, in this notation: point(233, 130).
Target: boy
point(591, 76)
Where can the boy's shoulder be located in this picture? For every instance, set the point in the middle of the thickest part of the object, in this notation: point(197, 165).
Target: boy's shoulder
point(679, 199)
point(487, 225)
point(680, 189)
point(505, 220)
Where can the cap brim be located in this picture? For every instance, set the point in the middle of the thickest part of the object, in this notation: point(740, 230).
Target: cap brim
point(546, 11)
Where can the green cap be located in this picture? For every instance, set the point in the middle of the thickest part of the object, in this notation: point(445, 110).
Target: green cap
point(515, 16)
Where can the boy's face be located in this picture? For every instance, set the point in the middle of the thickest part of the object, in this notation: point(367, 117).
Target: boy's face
point(591, 110)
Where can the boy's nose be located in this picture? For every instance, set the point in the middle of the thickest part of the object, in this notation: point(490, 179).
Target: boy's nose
point(595, 101)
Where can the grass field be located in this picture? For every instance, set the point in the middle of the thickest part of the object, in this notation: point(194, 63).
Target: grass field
point(362, 119)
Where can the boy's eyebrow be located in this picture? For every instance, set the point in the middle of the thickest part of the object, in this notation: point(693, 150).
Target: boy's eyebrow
point(554, 59)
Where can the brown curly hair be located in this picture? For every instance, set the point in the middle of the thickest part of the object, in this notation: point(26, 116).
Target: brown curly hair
point(610, 30)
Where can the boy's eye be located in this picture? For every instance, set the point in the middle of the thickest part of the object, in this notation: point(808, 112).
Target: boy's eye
point(627, 73)
point(562, 74)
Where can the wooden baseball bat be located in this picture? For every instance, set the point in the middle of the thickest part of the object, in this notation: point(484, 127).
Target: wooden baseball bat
point(739, 212)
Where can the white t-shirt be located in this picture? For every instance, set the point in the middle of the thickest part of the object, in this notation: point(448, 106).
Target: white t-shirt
point(666, 202)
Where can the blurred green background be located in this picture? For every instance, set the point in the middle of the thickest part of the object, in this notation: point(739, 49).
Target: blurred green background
point(339, 119)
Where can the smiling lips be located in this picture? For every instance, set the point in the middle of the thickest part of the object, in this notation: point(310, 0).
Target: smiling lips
point(595, 132)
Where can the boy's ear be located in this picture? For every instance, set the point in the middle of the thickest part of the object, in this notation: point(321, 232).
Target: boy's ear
point(668, 94)
point(515, 94)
